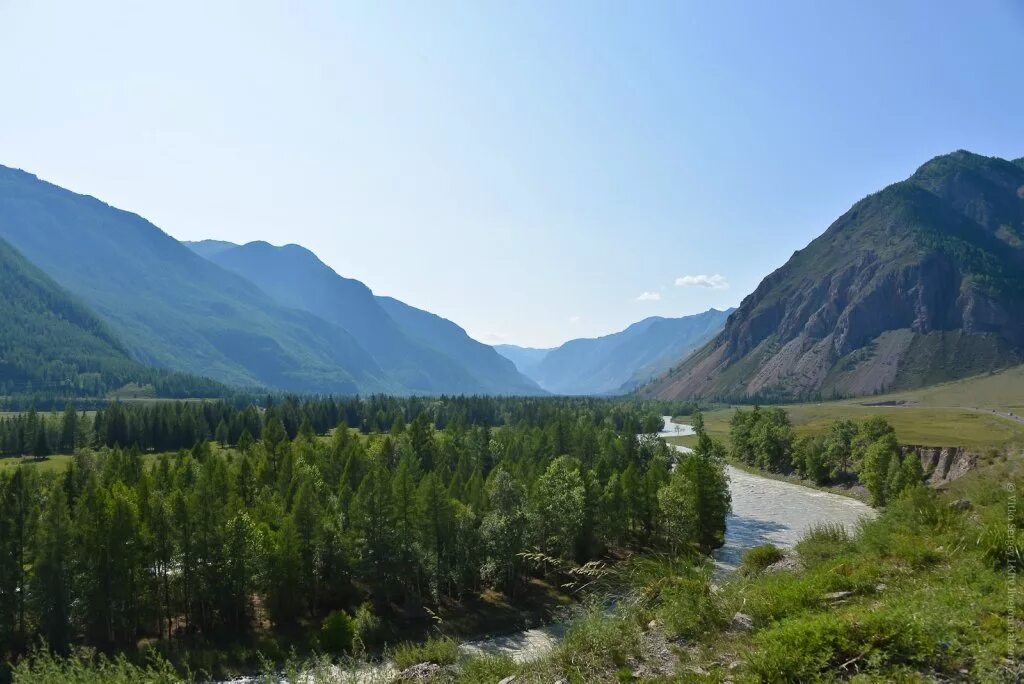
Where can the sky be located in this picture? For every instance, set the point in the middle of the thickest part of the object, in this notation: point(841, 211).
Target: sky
point(534, 171)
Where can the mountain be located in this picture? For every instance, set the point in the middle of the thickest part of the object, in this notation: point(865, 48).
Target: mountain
point(51, 344)
point(420, 362)
point(526, 359)
point(170, 307)
point(619, 362)
point(498, 374)
point(920, 283)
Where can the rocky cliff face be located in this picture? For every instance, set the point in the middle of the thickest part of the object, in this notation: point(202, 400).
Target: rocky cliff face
point(921, 282)
point(942, 465)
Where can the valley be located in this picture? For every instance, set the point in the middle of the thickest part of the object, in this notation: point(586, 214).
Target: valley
point(223, 458)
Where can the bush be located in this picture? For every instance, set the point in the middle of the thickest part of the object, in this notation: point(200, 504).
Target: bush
point(598, 644)
point(798, 649)
point(803, 648)
point(367, 627)
point(760, 557)
point(337, 633)
point(822, 542)
point(440, 651)
point(688, 608)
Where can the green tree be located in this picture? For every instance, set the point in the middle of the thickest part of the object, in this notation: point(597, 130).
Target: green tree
point(503, 530)
point(52, 568)
point(557, 508)
point(874, 466)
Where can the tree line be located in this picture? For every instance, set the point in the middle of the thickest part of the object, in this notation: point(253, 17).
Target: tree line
point(867, 451)
point(287, 526)
point(172, 425)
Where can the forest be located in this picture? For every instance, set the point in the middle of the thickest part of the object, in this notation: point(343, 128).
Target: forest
point(191, 524)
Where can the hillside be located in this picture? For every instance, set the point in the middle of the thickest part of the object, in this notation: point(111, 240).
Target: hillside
point(170, 307)
point(920, 283)
point(498, 374)
point(617, 363)
point(296, 278)
point(526, 359)
point(52, 345)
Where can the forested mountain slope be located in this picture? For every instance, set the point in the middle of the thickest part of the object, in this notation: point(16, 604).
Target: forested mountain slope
point(170, 307)
point(619, 362)
point(419, 363)
point(920, 283)
point(52, 345)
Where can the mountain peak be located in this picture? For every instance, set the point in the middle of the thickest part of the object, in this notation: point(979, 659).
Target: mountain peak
point(920, 282)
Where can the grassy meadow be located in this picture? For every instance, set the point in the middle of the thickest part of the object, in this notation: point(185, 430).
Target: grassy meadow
point(954, 414)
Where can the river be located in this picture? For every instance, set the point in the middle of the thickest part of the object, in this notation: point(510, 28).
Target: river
point(764, 511)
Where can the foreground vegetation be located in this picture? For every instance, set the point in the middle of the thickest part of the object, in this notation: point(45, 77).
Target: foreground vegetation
point(217, 557)
point(927, 590)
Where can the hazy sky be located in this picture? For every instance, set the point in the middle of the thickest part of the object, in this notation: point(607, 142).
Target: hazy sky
point(534, 171)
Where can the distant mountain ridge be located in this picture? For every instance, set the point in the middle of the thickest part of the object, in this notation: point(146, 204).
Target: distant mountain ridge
point(619, 362)
point(919, 283)
point(422, 352)
point(172, 308)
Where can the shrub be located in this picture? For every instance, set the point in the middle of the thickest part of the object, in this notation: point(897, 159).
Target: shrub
point(438, 650)
point(823, 542)
point(798, 649)
point(367, 627)
point(688, 608)
point(760, 557)
point(598, 644)
point(337, 632)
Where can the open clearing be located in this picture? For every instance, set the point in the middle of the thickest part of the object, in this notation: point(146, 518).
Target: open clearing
point(974, 413)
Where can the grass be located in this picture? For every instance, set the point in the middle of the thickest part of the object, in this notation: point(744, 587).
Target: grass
point(437, 650)
point(56, 463)
point(920, 425)
point(755, 560)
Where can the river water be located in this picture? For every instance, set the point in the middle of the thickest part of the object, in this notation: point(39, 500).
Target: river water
point(764, 511)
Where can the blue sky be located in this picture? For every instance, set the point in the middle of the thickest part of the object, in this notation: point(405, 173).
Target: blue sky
point(533, 171)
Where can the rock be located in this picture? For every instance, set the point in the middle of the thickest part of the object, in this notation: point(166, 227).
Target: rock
point(423, 672)
point(788, 564)
point(838, 595)
point(652, 625)
point(508, 680)
point(742, 622)
point(961, 505)
point(880, 587)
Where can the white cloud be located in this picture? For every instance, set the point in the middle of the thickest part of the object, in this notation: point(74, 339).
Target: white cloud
point(573, 320)
point(715, 282)
point(649, 297)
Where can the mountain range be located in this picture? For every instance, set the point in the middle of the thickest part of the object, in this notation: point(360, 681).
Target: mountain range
point(617, 363)
point(424, 353)
point(167, 307)
point(919, 283)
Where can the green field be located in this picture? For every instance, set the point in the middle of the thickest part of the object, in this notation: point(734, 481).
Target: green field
point(1002, 390)
point(955, 414)
point(52, 463)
